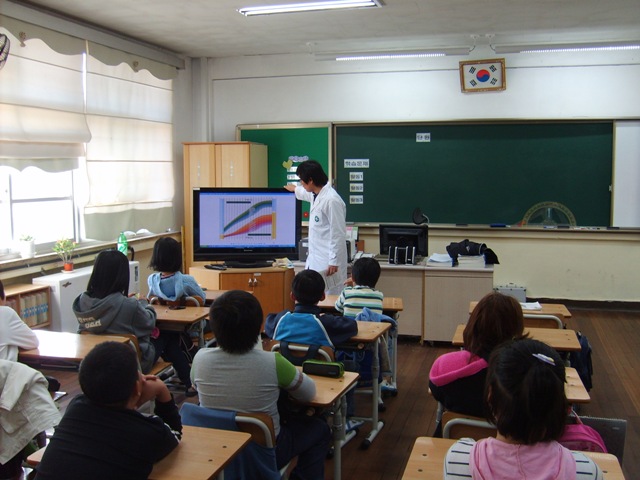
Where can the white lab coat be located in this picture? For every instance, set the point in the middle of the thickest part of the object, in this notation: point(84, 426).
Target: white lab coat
point(327, 233)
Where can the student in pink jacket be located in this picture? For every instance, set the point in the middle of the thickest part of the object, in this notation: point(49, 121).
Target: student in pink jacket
point(525, 399)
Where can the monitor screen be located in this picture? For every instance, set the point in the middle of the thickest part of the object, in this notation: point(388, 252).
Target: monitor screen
point(404, 236)
point(245, 224)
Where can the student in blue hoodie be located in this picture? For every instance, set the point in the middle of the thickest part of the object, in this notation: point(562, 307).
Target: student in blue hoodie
point(307, 324)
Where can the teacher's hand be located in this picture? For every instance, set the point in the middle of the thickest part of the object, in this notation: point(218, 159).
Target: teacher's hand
point(332, 269)
point(290, 186)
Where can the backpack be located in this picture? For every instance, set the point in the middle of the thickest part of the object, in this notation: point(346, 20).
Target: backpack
point(581, 361)
point(581, 437)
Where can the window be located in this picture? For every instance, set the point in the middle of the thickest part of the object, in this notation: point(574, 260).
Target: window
point(85, 147)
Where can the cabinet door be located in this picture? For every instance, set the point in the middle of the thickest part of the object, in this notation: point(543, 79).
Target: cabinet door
point(241, 165)
point(447, 297)
point(268, 288)
point(407, 284)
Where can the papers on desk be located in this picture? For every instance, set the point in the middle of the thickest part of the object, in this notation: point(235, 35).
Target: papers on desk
point(531, 305)
point(440, 258)
point(330, 281)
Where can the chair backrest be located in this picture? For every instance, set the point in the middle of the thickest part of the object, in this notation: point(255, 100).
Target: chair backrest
point(257, 460)
point(186, 301)
point(542, 321)
point(612, 430)
point(456, 425)
point(297, 353)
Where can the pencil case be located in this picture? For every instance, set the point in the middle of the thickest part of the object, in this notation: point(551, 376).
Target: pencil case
point(324, 369)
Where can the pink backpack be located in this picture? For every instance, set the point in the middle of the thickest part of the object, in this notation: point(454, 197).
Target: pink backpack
point(581, 437)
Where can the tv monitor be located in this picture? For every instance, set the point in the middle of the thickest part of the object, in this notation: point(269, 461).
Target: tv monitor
point(404, 236)
point(245, 226)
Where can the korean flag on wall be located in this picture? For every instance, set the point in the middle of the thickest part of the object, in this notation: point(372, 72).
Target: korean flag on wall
point(482, 75)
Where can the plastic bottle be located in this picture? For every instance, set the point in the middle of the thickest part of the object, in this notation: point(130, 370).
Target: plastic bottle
point(123, 245)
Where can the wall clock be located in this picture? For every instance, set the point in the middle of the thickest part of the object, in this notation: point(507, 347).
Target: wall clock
point(483, 75)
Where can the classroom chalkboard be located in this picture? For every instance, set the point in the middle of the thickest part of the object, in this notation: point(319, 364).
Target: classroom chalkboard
point(289, 144)
point(480, 173)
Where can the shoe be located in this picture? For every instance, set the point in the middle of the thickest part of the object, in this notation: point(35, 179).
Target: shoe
point(352, 425)
point(190, 392)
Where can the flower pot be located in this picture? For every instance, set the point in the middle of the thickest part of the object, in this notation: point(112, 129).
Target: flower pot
point(27, 248)
point(68, 266)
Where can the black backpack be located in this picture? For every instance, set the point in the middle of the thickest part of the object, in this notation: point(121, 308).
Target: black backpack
point(581, 361)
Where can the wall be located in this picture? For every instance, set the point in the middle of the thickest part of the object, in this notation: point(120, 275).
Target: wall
point(296, 88)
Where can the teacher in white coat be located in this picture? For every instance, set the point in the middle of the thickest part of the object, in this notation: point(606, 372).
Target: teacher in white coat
point(327, 225)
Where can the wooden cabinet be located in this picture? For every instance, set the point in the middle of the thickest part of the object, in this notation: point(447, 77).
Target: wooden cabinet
point(31, 302)
point(447, 293)
point(219, 164)
point(271, 286)
point(408, 284)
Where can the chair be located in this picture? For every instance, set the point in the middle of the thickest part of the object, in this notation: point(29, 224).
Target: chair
point(257, 461)
point(185, 301)
point(457, 425)
point(161, 369)
point(542, 321)
point(612, 430)
point(297, 353)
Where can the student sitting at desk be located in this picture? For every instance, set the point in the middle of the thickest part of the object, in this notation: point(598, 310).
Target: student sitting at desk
point(239, 375)
point(307, 324)
point(105, 308)
point(102, 435)
point(526, 401)
point(361, 290)
point(456, 379)
point(169, 283)
point(14, 333)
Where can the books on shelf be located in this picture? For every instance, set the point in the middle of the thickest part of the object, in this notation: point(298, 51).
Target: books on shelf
point(471, 261)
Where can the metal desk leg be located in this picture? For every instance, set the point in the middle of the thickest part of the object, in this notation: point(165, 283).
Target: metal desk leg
point(376, 425)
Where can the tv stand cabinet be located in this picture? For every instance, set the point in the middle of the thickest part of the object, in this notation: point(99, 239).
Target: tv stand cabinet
point(271, 285)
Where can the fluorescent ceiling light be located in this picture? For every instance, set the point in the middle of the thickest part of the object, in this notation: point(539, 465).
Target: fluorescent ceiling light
point(308, 6)
point(568, 47)
point(393, 55)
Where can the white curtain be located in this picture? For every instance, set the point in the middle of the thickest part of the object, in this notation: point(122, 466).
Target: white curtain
point(41, 103)
point(129, 158)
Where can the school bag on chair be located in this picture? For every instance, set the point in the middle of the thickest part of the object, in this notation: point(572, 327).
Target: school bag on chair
point(581, 361)
point(581, 437)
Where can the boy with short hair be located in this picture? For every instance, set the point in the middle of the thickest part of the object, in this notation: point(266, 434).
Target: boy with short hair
point(361, 293)
point(307, 324)
point(239, 375)
point(102, 435)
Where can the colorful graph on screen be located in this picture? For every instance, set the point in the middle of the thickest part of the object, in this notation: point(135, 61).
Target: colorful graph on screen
point(248, 217)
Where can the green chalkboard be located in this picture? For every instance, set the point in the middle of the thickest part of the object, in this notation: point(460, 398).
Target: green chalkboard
point(288, 145)
point(476, 173)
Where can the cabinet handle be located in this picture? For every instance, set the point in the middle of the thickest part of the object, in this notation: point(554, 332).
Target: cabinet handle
point(251, 282)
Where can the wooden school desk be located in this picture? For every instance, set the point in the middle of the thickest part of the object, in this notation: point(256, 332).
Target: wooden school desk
point(562, 340)
point(555, 309)
point(330, 394)
point(202, 454)
point(426, 461)
point(368, 337)
point(181, 319)
point(64, 346)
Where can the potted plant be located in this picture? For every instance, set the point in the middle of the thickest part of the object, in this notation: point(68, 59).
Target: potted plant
point(64, 248)
point(27, 246)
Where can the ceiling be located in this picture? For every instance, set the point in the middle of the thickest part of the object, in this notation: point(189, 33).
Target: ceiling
point(213, 28)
